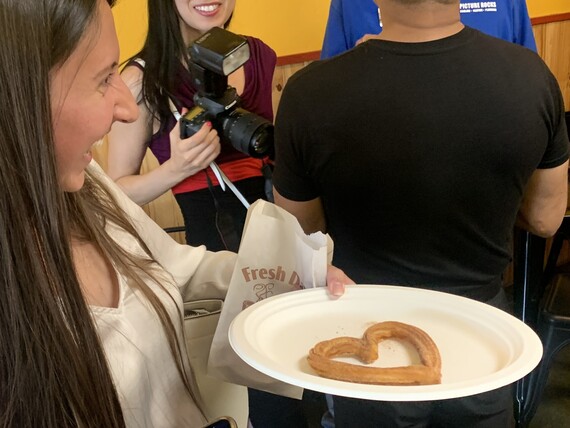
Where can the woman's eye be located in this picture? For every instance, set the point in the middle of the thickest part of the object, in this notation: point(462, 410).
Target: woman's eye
point(109, 78)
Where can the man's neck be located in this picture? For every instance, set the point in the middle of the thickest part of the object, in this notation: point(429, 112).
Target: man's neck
point(418, 23)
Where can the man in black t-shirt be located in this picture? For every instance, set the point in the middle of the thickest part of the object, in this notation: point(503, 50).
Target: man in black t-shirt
point(417, 151)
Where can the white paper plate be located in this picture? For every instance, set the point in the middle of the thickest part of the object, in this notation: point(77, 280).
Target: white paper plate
point(482, 348)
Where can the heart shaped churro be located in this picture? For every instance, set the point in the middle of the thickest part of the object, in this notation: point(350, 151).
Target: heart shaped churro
point(366, 350)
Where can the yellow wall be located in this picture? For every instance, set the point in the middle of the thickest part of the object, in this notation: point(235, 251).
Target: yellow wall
point(538, 8)
point(290, 26)
point(131, 25)
point(287, 27)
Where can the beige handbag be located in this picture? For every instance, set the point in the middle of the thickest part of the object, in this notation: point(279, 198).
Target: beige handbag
point(219, 398)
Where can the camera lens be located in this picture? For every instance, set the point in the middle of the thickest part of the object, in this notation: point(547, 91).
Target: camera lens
point(249, 133)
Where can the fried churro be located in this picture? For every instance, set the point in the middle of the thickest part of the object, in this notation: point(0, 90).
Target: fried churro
point(366, 350)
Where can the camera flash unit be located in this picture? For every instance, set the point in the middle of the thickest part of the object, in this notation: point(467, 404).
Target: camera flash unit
point(220, 51)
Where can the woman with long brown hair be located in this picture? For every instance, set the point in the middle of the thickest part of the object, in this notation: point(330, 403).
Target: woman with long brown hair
point(91, 290)
point(90, 330)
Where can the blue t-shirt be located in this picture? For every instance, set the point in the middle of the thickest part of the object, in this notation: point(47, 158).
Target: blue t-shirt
point(349, 20)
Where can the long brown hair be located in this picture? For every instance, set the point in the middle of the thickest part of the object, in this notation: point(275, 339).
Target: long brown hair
point(53, 371)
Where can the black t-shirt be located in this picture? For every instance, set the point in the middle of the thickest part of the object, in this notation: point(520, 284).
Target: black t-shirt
point(421, 153)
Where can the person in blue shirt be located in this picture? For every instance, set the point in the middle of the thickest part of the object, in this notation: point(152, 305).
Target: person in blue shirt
point(350, 20)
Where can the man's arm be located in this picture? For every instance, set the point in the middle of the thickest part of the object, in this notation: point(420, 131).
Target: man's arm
point(544, 201)
point(310, 214)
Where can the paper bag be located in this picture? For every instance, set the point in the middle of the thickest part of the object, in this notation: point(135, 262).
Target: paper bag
point(275, 256)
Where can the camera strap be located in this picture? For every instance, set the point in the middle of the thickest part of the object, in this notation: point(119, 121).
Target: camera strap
point(222, 178)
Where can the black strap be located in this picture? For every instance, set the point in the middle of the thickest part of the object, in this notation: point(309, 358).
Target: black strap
point(225, 224)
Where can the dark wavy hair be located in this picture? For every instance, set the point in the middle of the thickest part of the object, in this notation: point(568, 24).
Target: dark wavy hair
point(53, 370)
point(164, 50)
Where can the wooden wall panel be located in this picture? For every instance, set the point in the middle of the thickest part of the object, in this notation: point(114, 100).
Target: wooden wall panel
point(553, 43)
point(282, 74)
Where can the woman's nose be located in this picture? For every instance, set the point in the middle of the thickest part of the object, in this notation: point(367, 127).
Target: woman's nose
point(126, 109)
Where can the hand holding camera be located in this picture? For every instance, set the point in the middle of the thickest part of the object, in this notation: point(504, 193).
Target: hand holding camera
point(193, 154)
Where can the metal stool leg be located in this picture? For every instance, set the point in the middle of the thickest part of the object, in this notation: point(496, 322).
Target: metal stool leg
point(528, 264)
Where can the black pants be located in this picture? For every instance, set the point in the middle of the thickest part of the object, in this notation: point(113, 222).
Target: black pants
point(215, 218)
point(493, 409)
point(274, 411)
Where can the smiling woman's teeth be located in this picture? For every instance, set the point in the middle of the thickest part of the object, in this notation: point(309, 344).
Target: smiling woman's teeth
point(207, 8)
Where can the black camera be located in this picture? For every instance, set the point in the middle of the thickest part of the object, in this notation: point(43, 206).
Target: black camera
point(213, 57)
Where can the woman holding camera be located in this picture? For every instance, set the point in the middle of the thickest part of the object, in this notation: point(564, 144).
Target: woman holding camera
point(159, 73)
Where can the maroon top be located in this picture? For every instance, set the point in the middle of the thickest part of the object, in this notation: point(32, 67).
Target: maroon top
point(255, 98)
